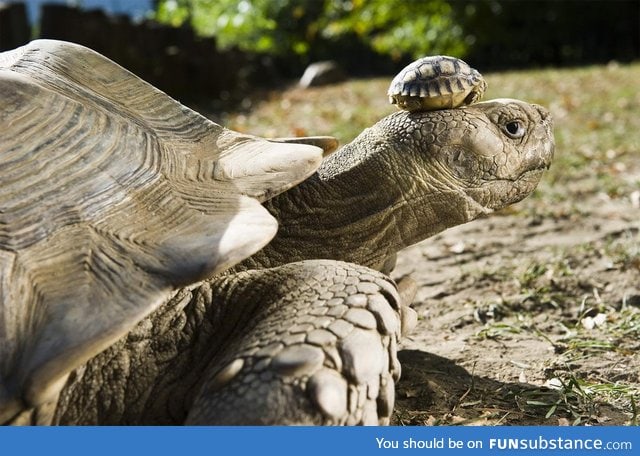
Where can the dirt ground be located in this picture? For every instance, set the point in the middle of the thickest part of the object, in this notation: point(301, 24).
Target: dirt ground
point(518, 321)
point(531, 315)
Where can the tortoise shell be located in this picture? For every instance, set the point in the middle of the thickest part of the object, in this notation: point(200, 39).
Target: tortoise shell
point(436, 82)
point(113, 195)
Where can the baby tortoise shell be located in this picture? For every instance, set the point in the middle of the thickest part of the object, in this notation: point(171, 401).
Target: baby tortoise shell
point(436, 82)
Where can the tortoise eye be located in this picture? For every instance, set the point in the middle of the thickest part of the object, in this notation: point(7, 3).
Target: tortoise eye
point(514, 129)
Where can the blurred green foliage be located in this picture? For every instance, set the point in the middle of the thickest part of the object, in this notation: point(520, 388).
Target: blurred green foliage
point(395, 28)
point(378, 36)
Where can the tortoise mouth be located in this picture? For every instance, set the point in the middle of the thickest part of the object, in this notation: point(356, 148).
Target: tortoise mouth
point(529, 173)
point(522, 186)
point(541, 168)
point(504, 191)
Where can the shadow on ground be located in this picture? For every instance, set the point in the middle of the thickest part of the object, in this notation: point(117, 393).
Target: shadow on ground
point(436, 391)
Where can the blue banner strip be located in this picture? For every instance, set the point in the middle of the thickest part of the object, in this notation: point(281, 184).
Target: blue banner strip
point(311, 441)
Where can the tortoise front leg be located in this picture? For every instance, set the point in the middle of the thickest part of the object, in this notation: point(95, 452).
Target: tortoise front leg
point(320, 349)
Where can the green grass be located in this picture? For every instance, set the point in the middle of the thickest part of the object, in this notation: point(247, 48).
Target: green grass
point(577, 399)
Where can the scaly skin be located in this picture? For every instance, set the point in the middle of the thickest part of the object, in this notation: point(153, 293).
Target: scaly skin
point(333, 362)
point(406, 178)
point(312, 370)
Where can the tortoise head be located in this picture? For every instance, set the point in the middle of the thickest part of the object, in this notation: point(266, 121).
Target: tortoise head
point(493, 152)
point(480, 157)
point(410, 176)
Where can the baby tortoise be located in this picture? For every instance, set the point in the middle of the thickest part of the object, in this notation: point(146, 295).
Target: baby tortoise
point(436, 82)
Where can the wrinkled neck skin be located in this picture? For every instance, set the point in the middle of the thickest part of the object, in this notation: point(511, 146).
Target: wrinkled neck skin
point(367, 201)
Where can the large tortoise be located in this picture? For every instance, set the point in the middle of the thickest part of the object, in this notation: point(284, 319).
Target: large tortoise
point(135, 284)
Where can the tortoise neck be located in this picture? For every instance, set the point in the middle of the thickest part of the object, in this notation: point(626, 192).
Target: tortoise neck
point(353, 209)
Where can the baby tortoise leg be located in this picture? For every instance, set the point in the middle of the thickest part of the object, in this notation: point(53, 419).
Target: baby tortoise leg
point(320, 349)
